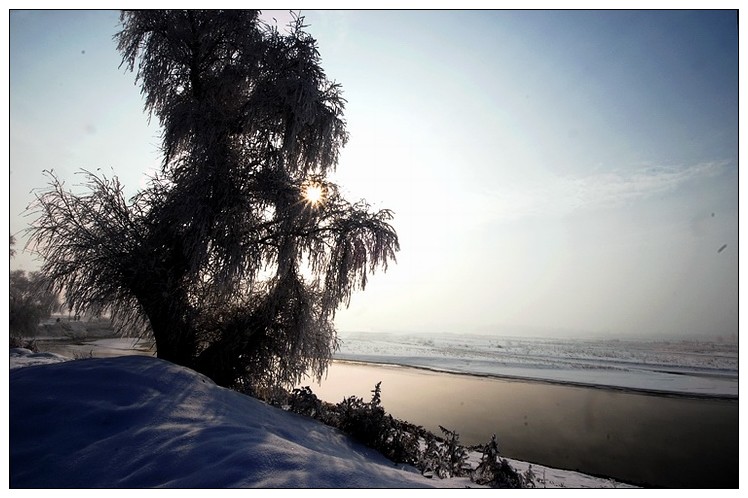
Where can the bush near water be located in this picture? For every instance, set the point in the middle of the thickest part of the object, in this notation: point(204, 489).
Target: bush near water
point(403, 442)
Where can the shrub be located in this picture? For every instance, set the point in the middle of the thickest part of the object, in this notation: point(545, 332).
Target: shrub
point(403, 444)
point(432, 460)
point(304, 402)
point(401, 441)
point(19, 342)
point(496, 472)
point(448, 459)
point(365, 421)
point(528, 478)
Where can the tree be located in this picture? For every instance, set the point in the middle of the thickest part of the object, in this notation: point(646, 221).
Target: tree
point(30, 300)
point(237, 254)
point(30, 303)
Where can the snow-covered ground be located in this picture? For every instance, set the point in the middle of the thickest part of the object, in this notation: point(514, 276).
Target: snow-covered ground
point(697, 368)
point(135, 421)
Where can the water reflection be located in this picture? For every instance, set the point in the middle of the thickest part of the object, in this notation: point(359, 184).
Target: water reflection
point(638, 438)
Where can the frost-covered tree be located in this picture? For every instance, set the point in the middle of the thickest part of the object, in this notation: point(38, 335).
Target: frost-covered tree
point(30, 300)
point(239, 251)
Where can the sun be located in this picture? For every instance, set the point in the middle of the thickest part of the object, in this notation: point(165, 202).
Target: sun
point(313, 193)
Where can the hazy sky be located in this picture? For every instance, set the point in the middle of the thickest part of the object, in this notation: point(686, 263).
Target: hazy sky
point(550, 172)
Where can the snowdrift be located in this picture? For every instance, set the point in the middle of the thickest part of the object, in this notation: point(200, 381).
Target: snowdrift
point(137, 422)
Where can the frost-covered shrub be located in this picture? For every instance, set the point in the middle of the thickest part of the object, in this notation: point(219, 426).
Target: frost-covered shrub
point(276, 396)
point(403, 444)
point(432, 459)
point(457, 455)
point(528, 478)
point(304, 402)
point(447, 458)
point(366, 422)
point(371, 425)
point(83, 356)
point(19, 342)
point(496, 472)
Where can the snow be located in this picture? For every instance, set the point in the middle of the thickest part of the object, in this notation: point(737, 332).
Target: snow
point(695, 368)
point(141, 422)
point(22, 357)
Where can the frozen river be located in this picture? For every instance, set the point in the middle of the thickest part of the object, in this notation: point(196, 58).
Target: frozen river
point(695, 368)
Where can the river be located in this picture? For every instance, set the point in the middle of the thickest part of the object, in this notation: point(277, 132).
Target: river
point(650, 440)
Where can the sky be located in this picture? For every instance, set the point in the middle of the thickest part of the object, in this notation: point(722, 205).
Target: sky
point(551, 172)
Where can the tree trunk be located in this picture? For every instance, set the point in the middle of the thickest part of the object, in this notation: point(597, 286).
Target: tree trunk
point(174, 340)
point(167, 310)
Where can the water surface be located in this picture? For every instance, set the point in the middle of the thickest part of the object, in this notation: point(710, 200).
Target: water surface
point(644, 439)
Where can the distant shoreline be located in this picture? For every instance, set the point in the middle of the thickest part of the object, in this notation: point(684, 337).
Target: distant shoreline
point(101, 346)
point(540, 380)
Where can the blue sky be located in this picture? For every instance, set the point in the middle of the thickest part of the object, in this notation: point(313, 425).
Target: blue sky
point(550, 171)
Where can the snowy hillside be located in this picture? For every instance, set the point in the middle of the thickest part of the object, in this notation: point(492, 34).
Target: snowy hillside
point(136, 421)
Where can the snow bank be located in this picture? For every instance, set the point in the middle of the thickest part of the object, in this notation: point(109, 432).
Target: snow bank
point(137, 422)
point(22, 357)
